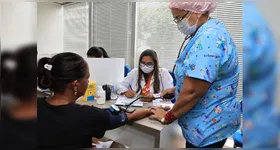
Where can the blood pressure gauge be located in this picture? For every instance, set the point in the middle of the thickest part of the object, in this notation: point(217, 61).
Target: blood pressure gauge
point(115, 109)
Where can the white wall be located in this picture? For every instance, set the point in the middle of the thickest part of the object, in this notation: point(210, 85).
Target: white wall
point(18, 24)
point(49, 28)
point(0, 19)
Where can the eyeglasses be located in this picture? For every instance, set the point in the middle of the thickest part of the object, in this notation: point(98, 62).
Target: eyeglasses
point(149, 64)
point(178, 20)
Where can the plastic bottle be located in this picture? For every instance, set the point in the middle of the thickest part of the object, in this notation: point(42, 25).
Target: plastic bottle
point(100, 96)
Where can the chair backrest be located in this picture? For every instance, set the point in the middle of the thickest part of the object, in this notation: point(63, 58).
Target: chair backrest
point(173, 76)
point(126, 70)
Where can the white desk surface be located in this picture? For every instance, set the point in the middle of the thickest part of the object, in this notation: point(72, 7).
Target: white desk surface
point(145, 124)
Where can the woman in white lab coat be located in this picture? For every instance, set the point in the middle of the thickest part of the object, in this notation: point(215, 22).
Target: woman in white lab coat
point(148, 80)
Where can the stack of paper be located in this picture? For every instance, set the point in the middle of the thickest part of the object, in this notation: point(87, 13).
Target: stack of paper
point(163, 103)
point(103, 144)
point(123, 101)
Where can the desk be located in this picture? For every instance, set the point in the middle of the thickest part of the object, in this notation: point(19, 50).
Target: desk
point(144, 133)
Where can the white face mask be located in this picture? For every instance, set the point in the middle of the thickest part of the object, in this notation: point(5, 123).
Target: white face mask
point(147, 69)
point(185, 28)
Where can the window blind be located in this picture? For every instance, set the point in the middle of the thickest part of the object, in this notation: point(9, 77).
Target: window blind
point(111, 28)
point(75, 31)
point(157, 31)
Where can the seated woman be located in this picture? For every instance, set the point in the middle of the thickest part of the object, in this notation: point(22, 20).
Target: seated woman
point(148, 79)
point(97, 52)
point(105, 55)
point(63, 123)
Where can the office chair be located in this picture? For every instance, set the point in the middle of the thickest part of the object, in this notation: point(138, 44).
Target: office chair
point(126, 70)
point(173, 76)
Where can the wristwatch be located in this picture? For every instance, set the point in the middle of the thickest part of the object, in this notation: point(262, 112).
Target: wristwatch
point(162, 120)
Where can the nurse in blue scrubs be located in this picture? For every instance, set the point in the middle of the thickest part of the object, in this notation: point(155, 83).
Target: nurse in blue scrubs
point(259, 77)
point(207, 72)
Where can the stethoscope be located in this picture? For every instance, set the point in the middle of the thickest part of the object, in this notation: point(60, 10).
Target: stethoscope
point(185, 39)
point(179, 53)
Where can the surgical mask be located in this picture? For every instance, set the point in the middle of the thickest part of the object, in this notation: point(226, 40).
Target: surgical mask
point(185, 28)
point(147, 69)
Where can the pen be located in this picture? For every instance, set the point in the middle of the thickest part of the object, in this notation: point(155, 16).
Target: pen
point(130, 87)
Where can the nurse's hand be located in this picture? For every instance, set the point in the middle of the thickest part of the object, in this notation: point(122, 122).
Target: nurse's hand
point(166, 108)
point(168, 91)
point(158, 113)
point(147, 97)
point(129, 93)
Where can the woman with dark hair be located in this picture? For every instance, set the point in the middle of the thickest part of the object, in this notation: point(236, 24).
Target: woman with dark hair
point(18, 98)
point(105, 55)
point(148, 79)
point(62, 122)
point(97, 52)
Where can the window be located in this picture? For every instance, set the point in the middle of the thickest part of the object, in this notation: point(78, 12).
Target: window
point(156, 30)
point(76, 30)
point(111, 28)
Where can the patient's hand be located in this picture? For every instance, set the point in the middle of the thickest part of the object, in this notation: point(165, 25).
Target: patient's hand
point(129, 93)
point(139, 114)
point(95, 140)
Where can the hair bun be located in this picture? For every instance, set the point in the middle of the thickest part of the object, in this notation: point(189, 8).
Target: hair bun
point(44, 74)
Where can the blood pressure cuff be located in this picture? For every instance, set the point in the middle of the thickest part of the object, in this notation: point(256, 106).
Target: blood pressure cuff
point(116, 120)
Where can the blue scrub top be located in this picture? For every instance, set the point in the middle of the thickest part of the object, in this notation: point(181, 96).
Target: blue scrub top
point(212, 56)
point(259, 78)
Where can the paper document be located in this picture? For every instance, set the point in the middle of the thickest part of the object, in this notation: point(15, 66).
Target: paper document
point(122, 101)
point(163, 103)
point(103, 144)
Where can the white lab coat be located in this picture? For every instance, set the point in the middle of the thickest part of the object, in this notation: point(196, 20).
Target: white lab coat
point(166, 81)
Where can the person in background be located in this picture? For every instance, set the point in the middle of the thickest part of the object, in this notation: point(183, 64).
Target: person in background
point(61, 122)
point(105, 55)
point(18, 125)
point(96, 52)
point(207, 72)
point(99, 52)
point(260, 78)
point(147, 80)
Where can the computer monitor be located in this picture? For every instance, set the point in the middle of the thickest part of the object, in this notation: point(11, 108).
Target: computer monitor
point(106, 70)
